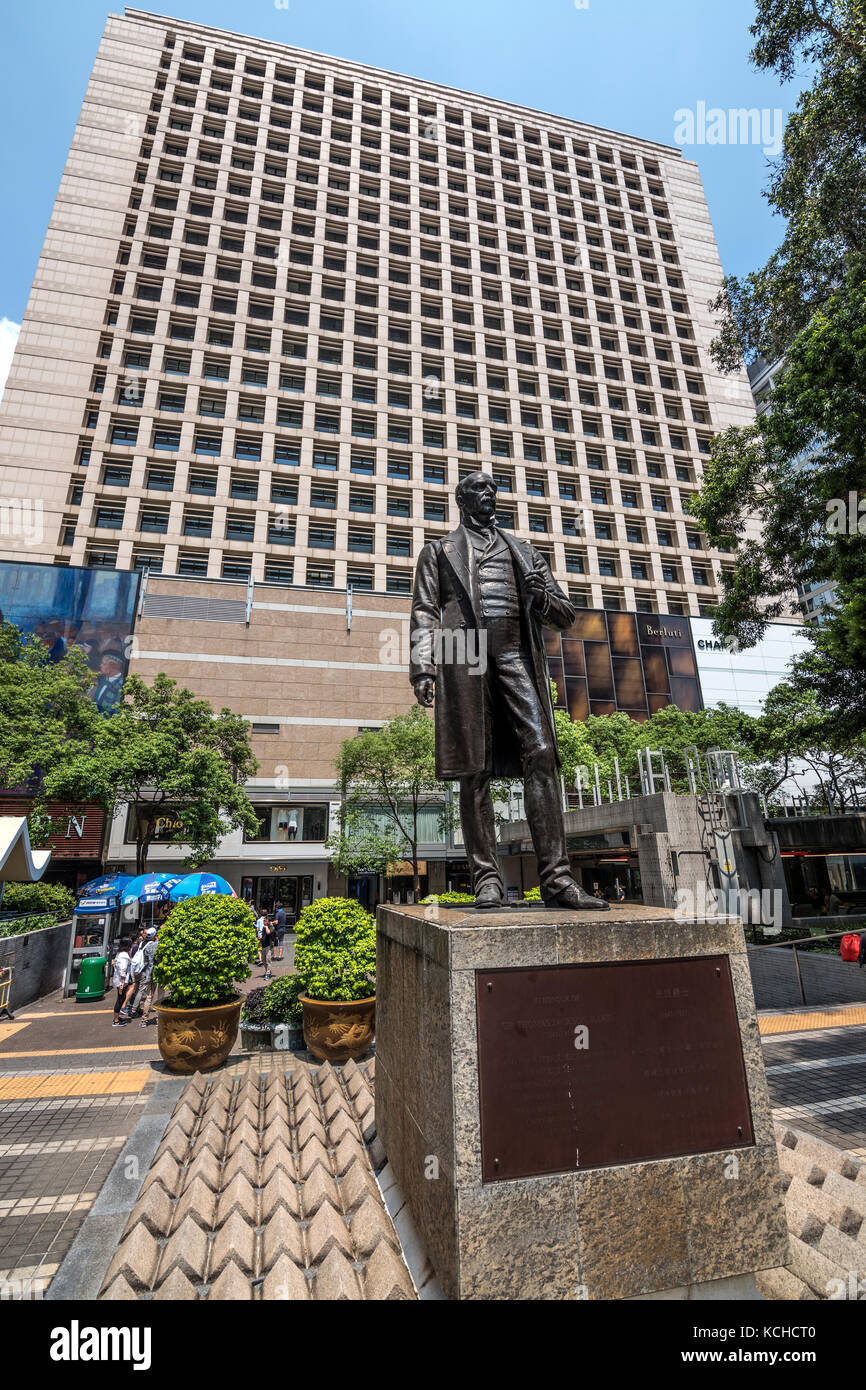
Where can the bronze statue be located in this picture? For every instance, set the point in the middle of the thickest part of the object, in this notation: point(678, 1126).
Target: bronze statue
point(481, 597)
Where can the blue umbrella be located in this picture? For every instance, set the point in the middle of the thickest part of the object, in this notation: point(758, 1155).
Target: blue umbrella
point(101, 894)
point(149, 888)
point(195, 885)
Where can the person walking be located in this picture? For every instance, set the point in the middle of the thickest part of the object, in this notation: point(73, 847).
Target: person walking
point(269, 937)
point(280, 925)
point(148, 984)
point(137, 958)
point(260, 925)
point(122, 979)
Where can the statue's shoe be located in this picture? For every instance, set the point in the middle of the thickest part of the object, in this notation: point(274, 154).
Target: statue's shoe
point(575, 897)
point(490, 896)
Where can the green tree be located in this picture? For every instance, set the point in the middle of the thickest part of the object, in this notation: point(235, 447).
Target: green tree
point(796, 732)
point(804, 459)
point(165, 749)
point(392, 772)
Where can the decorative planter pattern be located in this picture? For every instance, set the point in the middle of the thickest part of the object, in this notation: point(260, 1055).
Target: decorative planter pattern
point(335, 1031)
point(197, 1039)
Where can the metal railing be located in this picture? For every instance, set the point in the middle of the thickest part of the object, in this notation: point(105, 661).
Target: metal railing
point(805, 977)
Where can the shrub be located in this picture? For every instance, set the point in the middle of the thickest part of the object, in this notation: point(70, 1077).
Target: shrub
point(282, 1000)
point(446, 899)
point(17, 926)
point(204, 946)
point(39, 897)
point(532, 895)
point(335, 950)
point(253, 1010)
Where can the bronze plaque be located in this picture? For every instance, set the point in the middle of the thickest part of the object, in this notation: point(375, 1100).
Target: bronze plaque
point(585, 1066)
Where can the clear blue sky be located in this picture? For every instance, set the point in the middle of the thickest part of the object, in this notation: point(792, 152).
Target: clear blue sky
point(626, 64)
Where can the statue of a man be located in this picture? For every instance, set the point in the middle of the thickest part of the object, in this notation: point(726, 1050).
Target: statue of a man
point(481, 597)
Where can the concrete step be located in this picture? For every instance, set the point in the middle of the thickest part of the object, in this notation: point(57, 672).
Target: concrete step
point(801, 1165)
point(809, 1209)
point(849, 1254)
point(824, 1155)
point(815, 1268)
point(782, 1285)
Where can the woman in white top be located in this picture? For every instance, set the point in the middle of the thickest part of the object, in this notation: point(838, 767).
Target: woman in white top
point(123, 979)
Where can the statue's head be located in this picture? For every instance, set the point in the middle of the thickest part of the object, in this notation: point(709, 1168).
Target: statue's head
point(476, 498)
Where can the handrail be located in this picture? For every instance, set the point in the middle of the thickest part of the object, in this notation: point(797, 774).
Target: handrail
point(800, 941)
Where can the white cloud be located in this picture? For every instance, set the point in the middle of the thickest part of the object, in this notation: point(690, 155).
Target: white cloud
point(8, 338)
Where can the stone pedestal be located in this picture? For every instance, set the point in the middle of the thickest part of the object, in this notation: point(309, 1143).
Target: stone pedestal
point(609, 1187)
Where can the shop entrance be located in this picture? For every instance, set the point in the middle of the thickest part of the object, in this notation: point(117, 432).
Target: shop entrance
point(290, 891)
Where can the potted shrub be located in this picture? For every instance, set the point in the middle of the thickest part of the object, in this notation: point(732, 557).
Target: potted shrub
point(256, 1031)
point(282, 1011)
point(205, 945)
point(335, 957)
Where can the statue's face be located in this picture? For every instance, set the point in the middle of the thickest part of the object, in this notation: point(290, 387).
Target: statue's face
point(478, 499)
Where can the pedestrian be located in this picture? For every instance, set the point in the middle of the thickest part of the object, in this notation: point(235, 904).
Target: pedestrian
point(280, 924)
point(122, 979)
point(148, 983)
point(137, 958)
point(269, 937)
point(260, 926)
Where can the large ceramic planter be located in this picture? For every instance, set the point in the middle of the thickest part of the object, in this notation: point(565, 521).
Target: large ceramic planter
point(335, 1031)
point(197, 1039)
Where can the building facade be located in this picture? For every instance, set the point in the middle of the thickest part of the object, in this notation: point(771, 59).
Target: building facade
point(285, 302)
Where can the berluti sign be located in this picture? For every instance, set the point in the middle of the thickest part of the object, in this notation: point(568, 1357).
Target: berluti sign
point(586, 1066)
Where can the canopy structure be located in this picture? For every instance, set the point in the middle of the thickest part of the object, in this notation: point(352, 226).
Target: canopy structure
point(196, 885)
point(19, 863)
point(101, 894)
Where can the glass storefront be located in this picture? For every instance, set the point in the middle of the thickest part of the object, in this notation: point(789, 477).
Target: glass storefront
point(634, 662)
point(291, 823)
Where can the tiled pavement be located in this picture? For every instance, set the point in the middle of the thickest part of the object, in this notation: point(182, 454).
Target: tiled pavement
point(817, 1084)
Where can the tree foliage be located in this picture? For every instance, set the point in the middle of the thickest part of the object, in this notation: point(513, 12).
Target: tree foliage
point(164, 748)
point(805, 459)
point(46, 714)
point(392, 770)
point(205, 946)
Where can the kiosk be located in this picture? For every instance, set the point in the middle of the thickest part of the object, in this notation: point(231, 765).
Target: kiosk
point(96, 923)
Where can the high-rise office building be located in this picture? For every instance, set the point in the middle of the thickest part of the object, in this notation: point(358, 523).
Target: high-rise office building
point(285, 301)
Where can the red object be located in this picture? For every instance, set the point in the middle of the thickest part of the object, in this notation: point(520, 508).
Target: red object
point(849, 946)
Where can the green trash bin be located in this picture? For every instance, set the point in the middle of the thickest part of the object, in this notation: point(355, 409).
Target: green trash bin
point(91, 978)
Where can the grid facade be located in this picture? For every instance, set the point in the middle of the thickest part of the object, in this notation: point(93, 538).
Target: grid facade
point(285, 301)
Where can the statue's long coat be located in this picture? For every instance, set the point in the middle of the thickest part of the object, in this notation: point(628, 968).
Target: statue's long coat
point(446, 596)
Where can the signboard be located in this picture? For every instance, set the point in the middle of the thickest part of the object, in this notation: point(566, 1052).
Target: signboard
point(586, 1066)
point(76, 830)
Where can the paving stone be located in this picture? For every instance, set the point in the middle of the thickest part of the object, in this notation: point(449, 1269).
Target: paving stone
point(136, 1258)
point(235, 1240)
point(376, 1150)
point(243, 1160)
point(166, 1171)
point(326, 1081)
point(826, 1156)
point(386, 1276)
point(356, 1184)
point(849, 1195)
point(783, 1285)
point(367, 1123)
point(232, 1284)
point(120, 1289)
point(238, 1195)
point(319, 1187)
point(335, 1280)
point(206, 1166)
point(185, 1117)
point(274, 1132)
point(248, 1109)
point(801, 1165)
point(349, 1150)
point(824, 1205)
point(246, 1133)
point(282, 1236)
point(342, 1123)
point(311, 1127)
point(370, 1068)
point(157, 1212)
point(280, 1190)
point(285, 1281)
point(814, 1268)
point(370, 1224)
point(177, 1288)
point(199, 1201)
point(326, 1230)
point(333, 1104)
point(278, 1157)
point(849, 1254)
point(186, 1250)
point(350, 1070)
point(176, 1144)
point(210, 1138)
point(307, 1104)
point(277, 1108)
point(312, 1154)
point(303, 1088)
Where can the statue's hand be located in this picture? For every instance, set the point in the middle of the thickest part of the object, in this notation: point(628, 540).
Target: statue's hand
point(424, 688)
point(537, 588)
